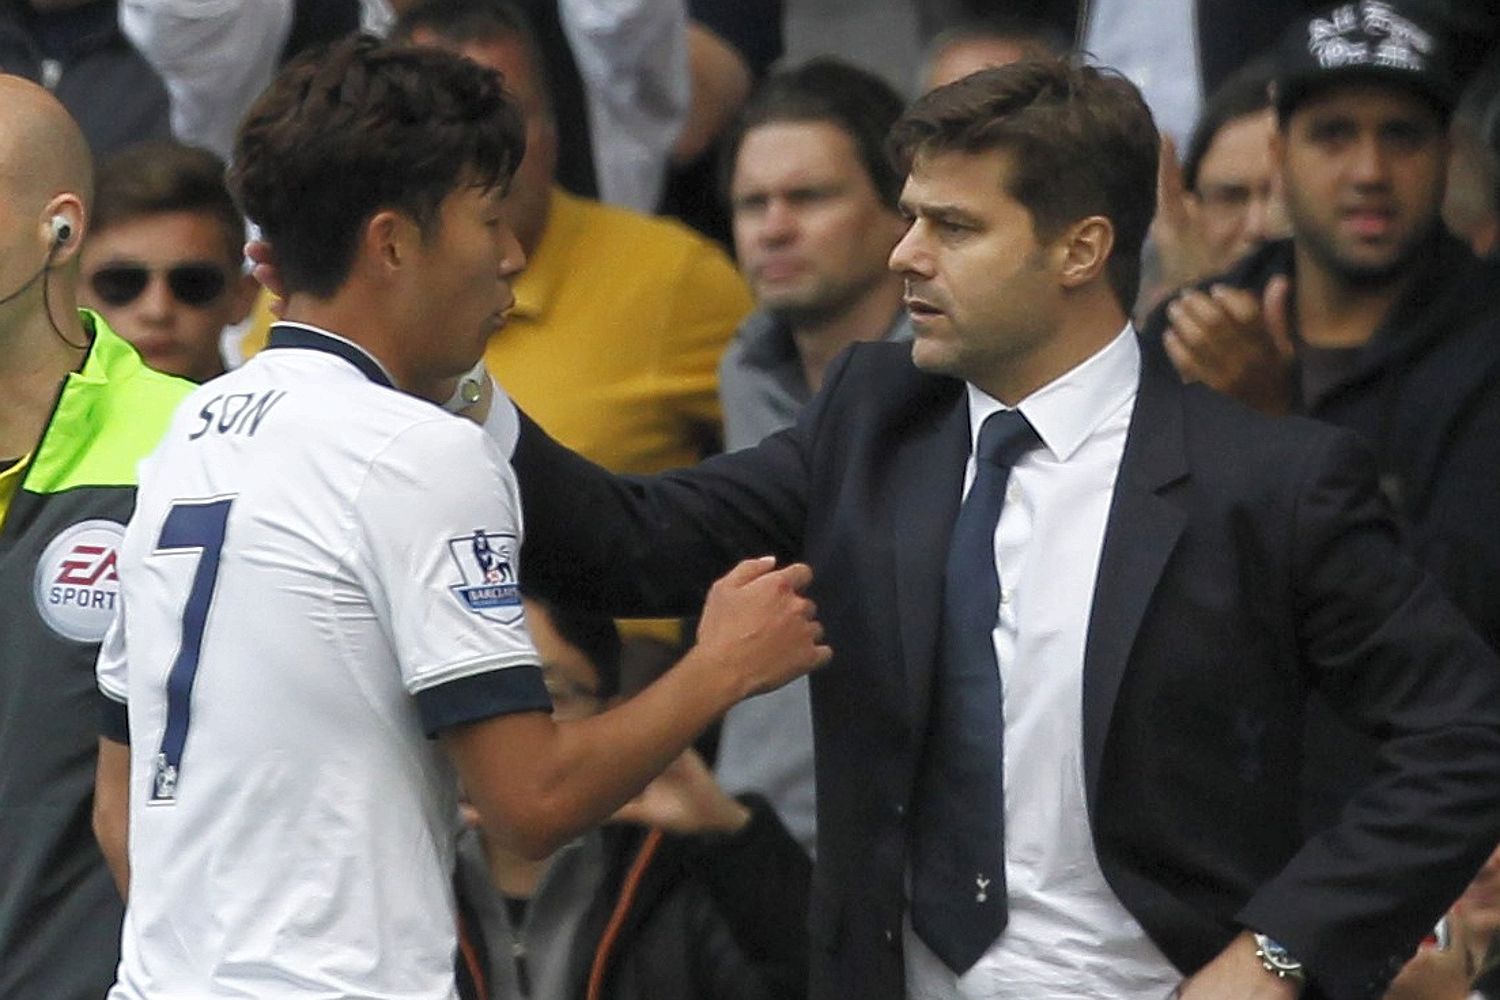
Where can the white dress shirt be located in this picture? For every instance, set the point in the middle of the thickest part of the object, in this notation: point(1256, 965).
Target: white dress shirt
point(1068, 936)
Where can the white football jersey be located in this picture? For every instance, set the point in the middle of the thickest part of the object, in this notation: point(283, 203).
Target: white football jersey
point(319, 576)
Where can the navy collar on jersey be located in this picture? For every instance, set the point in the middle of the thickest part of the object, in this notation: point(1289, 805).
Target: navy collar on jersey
point(285, 333)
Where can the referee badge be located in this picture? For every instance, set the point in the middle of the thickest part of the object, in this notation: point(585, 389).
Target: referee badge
point(486, 563)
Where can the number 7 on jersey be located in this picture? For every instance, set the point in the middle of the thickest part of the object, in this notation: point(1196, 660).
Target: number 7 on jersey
point(191, 525)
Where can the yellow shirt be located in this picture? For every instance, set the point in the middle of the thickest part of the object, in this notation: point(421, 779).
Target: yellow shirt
point(10, 481)
point(614, 342)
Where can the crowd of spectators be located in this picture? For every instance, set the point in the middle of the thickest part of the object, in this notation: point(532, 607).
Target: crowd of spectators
point(706, 228)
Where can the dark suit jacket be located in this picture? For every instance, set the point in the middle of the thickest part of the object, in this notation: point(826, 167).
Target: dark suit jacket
point(1246, 561)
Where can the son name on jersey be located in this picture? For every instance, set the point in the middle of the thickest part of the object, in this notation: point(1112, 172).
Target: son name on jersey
point(236, 413)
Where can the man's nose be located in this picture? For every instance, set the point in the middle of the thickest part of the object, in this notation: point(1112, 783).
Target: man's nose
point(156, 302)
point(1370, 163)
point(909, 256)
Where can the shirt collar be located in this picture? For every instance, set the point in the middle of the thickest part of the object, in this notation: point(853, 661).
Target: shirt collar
point(1066, 411)
point(285, 333)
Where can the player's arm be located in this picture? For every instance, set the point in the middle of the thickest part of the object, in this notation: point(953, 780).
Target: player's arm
point(439, 534)
point(112, 771)
point(538, 783)
point(112, 809)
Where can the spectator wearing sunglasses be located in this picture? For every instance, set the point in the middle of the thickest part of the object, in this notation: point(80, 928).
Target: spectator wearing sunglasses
point(163, 262)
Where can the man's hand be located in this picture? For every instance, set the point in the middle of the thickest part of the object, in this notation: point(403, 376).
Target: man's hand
point(1438, 973)
point(686, 799)
point(1177, 229)
point(757, 621)
point(263, 266)
point(1237, 974)
point(1231, 342)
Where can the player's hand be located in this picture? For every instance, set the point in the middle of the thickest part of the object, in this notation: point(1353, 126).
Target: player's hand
point(263, 266)
point(1236, 974)
point(686, 799)
point(1438, 973)
point(1231, 341)
point(757, 620)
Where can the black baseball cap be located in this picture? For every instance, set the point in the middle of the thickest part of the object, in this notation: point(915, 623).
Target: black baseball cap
point(1376, 40)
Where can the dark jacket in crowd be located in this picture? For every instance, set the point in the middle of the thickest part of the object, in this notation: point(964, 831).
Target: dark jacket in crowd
point(82, 57)
point(1424, 393)
point(683, 918)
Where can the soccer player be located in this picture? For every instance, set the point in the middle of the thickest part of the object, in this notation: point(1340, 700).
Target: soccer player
point(321, 578)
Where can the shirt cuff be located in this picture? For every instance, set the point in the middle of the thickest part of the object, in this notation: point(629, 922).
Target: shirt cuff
point(114, 719)
point(482, 696)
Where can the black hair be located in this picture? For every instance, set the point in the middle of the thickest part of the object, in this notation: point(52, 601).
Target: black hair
point(360, 127)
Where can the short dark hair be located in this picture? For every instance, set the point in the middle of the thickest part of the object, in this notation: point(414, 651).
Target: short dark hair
point(360, 127)
point(593, 635)
point(160, 176)
point(827, 90)
point(1246, 91)
point(461, 22)
point(1081, 139)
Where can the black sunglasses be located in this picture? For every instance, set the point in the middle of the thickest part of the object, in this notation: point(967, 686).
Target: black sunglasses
point(191, 284)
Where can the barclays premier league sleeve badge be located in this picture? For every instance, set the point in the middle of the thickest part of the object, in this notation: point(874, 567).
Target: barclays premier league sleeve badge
point(486, 563)
point(77, 585)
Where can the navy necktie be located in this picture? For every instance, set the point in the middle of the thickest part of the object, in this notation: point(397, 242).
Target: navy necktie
point(958, 840)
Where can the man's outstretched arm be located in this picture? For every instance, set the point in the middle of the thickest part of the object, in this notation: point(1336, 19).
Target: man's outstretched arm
point(537, 783)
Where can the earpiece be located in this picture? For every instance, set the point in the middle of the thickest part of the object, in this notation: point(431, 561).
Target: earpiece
point(62, 231)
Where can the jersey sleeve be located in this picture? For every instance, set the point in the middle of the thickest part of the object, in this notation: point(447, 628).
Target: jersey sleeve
point(113, 681)
point(438, 544)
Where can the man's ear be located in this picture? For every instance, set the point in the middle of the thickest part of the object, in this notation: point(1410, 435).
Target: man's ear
point(63, 228)
point(386, 243)
point(1084, 250)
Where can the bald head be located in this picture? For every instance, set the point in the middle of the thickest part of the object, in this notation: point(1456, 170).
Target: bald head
point(42, 151)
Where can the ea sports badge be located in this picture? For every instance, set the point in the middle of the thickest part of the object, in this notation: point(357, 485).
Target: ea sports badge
point(76, 584)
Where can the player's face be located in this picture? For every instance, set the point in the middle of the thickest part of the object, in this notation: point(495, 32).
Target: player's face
point(169, 284)
point(1362, 167)
point(464, 282)
point(982, 299)
point(810, 230)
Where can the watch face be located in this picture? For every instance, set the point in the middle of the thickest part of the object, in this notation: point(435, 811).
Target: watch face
point(1276, 958)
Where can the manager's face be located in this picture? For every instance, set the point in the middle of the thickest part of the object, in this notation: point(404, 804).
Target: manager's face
point(979, 287)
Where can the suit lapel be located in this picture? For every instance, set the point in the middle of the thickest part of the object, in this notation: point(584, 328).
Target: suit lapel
point(1139, 536)
point(928, 477)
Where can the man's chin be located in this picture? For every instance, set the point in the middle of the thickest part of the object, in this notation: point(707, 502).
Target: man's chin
point(931, 357)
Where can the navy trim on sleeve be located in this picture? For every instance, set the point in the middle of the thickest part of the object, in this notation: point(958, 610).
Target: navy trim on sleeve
point(482, 696)
point(114, 719)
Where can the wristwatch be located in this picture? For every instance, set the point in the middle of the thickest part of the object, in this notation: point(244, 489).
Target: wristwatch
point(1277, 960)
